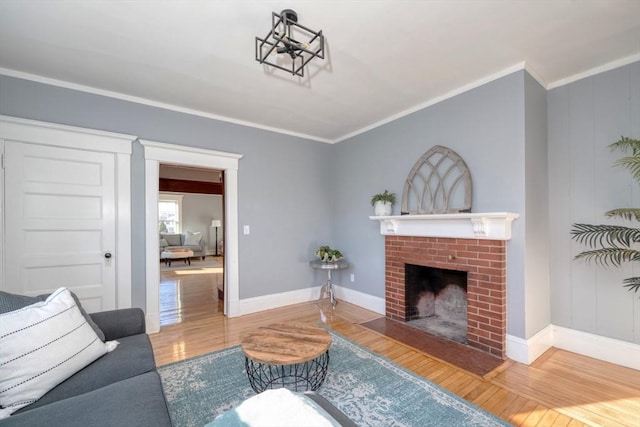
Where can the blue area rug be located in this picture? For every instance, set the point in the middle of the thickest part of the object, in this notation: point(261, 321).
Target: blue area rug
point(369, 389)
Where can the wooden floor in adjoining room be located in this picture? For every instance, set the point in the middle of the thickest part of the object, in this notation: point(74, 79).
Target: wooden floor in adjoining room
point(558, 389)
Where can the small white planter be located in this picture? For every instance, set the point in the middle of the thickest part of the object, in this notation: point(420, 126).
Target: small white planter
point(381, 208)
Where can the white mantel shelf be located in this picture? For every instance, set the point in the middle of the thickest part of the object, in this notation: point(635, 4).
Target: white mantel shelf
point(491, 226)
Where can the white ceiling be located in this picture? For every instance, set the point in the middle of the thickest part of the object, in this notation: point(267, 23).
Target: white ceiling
point(384, 58)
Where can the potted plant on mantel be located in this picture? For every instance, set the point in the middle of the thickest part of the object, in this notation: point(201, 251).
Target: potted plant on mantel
point(383, 203)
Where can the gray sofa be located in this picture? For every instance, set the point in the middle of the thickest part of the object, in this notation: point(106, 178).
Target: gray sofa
point(122, 388)
point(171, 241)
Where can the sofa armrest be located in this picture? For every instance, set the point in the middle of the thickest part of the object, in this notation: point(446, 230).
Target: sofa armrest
point(120, 323)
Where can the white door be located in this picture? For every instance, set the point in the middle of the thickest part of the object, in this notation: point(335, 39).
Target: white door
point(60, 222)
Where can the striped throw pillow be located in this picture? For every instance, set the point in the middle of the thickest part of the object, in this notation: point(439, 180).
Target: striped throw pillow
point(42, 345)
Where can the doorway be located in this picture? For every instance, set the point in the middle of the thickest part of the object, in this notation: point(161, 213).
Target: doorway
point(191, 231)
point(156, 153)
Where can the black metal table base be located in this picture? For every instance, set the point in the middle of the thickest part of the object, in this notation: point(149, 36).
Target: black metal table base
point(297, 377)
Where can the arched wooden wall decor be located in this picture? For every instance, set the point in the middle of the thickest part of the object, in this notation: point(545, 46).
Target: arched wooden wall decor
point(438, 183)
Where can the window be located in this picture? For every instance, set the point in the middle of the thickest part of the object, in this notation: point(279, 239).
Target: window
point(169, 213)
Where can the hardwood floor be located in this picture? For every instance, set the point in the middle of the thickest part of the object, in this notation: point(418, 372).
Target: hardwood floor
point(559, 389)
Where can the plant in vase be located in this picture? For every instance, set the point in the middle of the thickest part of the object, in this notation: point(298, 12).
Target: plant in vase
point(326, 254)
point(383, 203)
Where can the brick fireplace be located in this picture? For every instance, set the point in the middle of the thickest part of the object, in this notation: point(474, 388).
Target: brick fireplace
point(486, 267)
point(474, 243)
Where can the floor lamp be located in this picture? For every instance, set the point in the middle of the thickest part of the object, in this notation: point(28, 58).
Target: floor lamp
point(216, 223)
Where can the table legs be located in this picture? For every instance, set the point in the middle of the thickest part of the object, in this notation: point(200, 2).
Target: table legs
point(296, 377)
point(327, 291)
point(167, 261)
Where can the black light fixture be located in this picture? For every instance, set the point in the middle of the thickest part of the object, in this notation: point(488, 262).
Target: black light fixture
point(288, 37)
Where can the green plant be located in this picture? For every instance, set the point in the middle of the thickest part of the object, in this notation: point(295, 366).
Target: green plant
point(384, 197)
point(614, 244)
point(326, 254)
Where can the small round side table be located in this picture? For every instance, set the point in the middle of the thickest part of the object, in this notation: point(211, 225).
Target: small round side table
point(327, 290)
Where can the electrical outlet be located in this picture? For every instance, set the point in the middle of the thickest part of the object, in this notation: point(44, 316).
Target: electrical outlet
point(246, 229)
point(353, 277)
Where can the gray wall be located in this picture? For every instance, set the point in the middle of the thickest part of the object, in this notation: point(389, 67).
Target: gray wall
point(319, 194)
point(282, 180)
point(536, 311)
point(584, 118)
point(485, 126)
point(197, 212)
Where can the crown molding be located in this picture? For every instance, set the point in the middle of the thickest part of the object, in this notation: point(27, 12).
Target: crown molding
point(596, 70)
point(487, 79)
point(152, 103)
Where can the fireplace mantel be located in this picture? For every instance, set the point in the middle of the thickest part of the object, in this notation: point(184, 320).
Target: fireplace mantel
point(491, 226)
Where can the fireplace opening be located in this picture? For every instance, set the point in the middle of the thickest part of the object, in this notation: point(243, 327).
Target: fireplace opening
point(436, 301)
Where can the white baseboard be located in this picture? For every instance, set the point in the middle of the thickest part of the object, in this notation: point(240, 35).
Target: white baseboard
point(608, 349)
point(268, 302)
point(375, 304)
point(519, 349)
point(152, 323)
point(602, 348)
point(526, 351)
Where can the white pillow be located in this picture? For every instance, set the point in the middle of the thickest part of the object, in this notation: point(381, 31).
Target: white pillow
point(276, 407)
point(42, 345)
point(192, 239)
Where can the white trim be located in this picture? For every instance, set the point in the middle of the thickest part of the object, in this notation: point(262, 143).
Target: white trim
point(123, 230)
point(526, 351)
point(144, 101)
point(495, 76)
point(268, 302)
point(152, 268)
point(52, 134)
point(151, 103)
point(487, 79)
point(598, 347)
point(533, 73)
point(156, 152)
point(489, 225)
point(65, 136)
point(2, 224)
point(375, 304)
point(596, 70)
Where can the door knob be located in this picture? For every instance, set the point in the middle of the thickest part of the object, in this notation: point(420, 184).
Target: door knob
point(107, 255)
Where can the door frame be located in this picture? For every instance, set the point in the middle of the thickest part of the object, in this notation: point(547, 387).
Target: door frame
point(160, 152)
point(120, 145)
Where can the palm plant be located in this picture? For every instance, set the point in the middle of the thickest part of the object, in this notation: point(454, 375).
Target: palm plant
point(614, 244)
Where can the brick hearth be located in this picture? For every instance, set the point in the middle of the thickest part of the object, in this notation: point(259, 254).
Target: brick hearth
point(486, 267)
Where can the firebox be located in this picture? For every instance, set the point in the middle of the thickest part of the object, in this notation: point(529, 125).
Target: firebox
point(484, 263)
point(436, 301)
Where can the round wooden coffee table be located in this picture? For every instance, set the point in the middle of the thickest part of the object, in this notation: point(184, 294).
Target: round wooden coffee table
point(290, 355)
